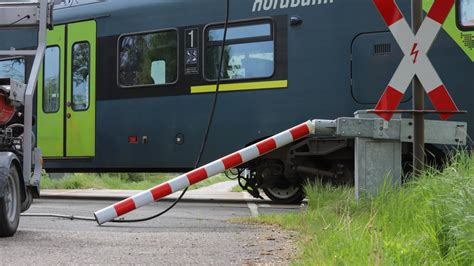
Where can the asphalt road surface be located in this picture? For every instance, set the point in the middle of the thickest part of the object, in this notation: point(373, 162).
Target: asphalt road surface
point(192, 233)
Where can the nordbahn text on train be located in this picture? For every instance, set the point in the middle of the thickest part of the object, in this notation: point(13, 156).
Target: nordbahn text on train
point(265, 5)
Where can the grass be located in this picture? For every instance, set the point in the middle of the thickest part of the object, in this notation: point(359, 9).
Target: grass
point(237, 188)
point(135, 181)
point(429, 220)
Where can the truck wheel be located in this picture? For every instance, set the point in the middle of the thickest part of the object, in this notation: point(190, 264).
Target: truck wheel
point(10, 205)
point(285, 193)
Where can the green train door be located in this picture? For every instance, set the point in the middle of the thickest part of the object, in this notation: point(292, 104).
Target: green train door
point(66, 92)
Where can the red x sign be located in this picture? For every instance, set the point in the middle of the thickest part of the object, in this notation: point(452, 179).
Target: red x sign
point(415, 61)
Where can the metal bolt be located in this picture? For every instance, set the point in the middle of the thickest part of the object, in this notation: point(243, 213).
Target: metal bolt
point(179, 139)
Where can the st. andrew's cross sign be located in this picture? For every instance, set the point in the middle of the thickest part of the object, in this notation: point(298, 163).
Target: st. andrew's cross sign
point(415, 61)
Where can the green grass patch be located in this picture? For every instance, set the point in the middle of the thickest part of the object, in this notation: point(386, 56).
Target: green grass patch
point(237, 188)
point(429, 220)
point(126, 181)
point(211, 181)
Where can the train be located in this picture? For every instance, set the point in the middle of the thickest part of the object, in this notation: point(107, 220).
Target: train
point(127, 86)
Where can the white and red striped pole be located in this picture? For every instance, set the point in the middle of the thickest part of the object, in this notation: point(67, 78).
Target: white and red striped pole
point(181, 182)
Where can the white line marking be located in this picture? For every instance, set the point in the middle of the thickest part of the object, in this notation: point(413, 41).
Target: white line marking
point(252, 206)
point(253, 209)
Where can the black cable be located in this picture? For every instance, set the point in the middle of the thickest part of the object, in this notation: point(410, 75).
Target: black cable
point(53, 215)
point(198, 160)
point(208, 128)
point(216, 94)
point(19, 20)
point(154, 216)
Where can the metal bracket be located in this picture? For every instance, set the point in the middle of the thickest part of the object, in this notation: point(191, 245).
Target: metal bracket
point(38, 159)
point(436, 132)
point(378, 145)
point(26, 14)
point(19, 14)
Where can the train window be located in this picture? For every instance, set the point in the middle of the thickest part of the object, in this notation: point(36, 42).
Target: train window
point(466, 13)
point(80, 76)
point(13, 69)
point(148, 59)
point(51, 73)
point(249, 51)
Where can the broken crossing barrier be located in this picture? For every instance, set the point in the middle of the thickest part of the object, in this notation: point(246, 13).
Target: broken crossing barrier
point(218, 166)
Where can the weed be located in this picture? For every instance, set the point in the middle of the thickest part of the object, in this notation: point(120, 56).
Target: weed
point(429, 220)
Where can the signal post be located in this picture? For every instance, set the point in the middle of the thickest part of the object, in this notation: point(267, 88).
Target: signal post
point(418, 101)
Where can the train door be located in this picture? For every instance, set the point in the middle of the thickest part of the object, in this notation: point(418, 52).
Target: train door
point(66, 92)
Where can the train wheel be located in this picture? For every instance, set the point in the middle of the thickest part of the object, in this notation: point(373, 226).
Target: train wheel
point(10, 205)
point(286, 193)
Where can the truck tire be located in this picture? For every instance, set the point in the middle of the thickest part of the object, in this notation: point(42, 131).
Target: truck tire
point(10, 205)
point(26, 204)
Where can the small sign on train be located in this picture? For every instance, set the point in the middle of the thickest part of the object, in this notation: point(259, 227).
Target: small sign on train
point(191, 60)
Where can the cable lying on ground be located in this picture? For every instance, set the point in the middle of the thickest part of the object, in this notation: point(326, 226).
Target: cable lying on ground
point(198, 160)
point(61, 216)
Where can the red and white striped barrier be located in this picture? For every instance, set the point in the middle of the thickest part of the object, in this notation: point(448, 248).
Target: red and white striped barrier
point(416, 61)
point(204, 172)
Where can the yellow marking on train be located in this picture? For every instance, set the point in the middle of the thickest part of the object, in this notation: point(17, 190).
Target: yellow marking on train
point(463, 39)
point(241, 86)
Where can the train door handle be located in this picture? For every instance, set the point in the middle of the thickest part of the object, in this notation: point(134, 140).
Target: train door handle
point(68, 104)
point(68, 115)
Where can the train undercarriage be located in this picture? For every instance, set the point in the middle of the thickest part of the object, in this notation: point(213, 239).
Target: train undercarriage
point(282, 174)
